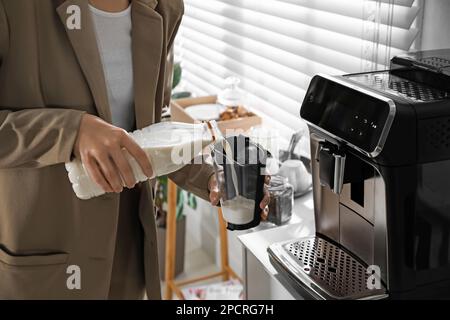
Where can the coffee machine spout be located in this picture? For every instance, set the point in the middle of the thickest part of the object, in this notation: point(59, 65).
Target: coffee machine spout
point(332, 167)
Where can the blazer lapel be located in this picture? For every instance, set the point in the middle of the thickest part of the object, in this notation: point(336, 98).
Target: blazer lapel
point(147, 46)
point(84, 43)
point(147, 39)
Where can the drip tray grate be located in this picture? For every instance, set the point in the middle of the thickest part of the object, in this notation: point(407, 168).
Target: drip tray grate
point(337, 273)
point(387, 82)
point(437, 63)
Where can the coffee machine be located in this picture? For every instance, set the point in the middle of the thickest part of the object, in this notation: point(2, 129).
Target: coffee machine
point(380, 158)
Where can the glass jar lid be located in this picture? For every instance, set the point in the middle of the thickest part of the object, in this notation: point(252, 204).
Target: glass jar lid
point(232, 95)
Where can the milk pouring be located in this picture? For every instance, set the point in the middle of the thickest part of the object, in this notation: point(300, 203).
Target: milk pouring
point(168, 145)
point(240, 172)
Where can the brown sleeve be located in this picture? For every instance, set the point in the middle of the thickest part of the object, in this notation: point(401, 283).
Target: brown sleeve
point(34, 137)
point(194, 178)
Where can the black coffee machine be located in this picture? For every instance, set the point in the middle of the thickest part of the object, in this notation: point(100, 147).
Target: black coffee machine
point(380, 149)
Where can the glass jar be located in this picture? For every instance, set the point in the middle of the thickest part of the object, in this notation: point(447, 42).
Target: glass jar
point(232, 96)
point(281, 200)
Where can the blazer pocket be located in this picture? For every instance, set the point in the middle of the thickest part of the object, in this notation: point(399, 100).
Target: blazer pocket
point(33, 260)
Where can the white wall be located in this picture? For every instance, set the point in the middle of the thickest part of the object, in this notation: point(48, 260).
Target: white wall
point(436, 25)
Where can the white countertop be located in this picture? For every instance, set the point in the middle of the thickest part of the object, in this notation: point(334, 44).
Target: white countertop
point(300, 225)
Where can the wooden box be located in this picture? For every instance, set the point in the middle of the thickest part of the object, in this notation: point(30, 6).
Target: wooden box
point(178, 114)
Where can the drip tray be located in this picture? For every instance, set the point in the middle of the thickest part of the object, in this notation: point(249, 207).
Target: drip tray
point(323, 269)
point(385, 81)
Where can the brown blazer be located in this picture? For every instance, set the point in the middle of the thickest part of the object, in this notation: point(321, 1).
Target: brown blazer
point(49, 77)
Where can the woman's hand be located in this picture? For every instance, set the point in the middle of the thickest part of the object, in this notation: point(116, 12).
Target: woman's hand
point(101, 148)
point(214, 196)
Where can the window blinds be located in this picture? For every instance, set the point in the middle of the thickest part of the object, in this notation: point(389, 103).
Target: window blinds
point(276, 46)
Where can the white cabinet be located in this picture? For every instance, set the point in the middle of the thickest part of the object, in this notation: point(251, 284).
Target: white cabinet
point(261, 279)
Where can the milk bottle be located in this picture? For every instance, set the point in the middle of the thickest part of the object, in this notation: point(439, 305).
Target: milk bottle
point(168, 145)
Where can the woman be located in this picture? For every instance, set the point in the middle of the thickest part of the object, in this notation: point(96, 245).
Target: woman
point(75, 75)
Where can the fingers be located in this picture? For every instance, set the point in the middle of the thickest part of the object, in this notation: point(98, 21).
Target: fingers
point(265, 214)
point(214, 194)
point(264, 205)
point(95, 174)
point(137, 153)
point(124, 168)
point(214, 198)
point(212, 183)
point(110, 172)
point(266, 200)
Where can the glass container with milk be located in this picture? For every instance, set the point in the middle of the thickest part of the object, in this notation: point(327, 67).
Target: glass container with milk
point(240, 170)
point(168, 145)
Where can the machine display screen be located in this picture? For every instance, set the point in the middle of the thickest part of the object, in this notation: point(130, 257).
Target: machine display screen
point(346, 113)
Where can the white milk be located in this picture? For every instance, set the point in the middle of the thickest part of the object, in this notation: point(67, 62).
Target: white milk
point(168, 145)
point(239, 210)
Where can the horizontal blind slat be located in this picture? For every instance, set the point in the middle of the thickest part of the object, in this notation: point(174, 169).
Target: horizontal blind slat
point(290, 59)
point(265, 27)
point(405, 3)
point(275, 113)
point(403, 17)
point(204, 85)
point(281, 45)
point(297, 20)
point(311, 59)
point(221, 52)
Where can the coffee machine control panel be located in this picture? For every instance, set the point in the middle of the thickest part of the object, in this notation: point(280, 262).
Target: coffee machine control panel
point(351, 114)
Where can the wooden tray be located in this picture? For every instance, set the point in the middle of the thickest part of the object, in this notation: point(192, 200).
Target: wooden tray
point(227, 127)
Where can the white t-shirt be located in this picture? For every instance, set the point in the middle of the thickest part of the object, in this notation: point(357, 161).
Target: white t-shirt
point(113, 30)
